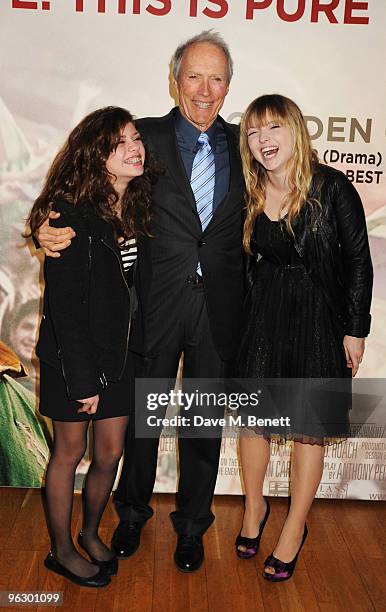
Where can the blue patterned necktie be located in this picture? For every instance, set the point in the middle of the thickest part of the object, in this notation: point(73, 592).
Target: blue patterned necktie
point(202, 181)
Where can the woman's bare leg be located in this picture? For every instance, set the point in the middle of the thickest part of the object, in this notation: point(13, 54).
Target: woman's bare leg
point(254, 455)
point(306, 473)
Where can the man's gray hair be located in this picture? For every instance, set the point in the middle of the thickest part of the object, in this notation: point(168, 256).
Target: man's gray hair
point(207, 36)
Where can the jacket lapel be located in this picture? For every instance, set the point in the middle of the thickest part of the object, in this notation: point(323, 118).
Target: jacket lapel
point(170, 155)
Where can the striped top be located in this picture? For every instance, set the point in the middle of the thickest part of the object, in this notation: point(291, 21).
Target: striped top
point(129, 253)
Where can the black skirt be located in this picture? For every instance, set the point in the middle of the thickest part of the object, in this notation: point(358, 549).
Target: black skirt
point(113, 401)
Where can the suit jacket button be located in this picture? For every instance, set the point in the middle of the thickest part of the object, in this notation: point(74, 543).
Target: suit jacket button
point(201, 243)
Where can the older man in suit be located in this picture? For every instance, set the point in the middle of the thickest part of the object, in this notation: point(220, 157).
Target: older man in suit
point(190, 285)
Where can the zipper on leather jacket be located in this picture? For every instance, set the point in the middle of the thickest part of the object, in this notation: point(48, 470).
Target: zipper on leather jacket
point(89, 252)
point(130, 302)
point(60, 357)
point(89, 269)
point(101, 375)
point(299, 249)
point(103, 380)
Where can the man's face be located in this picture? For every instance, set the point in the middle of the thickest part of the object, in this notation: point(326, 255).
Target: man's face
point(202, 84)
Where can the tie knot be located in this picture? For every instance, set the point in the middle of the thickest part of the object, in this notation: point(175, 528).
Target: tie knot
point(203, 139)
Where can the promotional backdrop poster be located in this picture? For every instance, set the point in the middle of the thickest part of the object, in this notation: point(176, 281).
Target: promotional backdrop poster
point(61, 59)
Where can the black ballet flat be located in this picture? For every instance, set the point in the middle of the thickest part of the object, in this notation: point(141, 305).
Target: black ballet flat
point(100, 579)
point(110, 566)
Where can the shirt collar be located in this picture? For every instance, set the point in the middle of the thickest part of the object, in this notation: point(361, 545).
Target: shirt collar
point(190, 133)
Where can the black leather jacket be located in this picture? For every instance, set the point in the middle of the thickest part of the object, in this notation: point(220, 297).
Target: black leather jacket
point(332, 241)
point(86, 318)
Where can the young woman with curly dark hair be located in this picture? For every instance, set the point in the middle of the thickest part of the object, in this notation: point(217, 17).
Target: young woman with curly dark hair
point(100, 184)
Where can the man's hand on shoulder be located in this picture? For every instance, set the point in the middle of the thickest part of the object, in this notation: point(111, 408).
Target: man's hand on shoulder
point(54, 239)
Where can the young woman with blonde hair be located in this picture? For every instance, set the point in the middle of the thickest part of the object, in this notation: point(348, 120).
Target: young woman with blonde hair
point(306, 314)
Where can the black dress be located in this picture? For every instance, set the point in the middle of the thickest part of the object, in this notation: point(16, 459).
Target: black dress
point(289, 335)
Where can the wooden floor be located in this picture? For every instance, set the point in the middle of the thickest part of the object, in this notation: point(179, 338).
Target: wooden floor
point(342, 565)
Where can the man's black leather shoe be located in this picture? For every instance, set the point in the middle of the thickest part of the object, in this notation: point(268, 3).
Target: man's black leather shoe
point(126, 539)
point(189, 553)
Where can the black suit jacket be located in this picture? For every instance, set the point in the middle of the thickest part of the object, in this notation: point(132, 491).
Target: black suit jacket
point(171, 255)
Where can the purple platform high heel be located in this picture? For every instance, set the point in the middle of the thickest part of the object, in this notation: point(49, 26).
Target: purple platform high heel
point(283, 571)
point(252, 544)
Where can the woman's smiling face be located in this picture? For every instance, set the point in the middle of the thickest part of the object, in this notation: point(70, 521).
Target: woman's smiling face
point(271, 144)
point(127, 160)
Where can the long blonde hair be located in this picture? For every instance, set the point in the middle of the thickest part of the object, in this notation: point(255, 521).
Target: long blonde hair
point(279, 109)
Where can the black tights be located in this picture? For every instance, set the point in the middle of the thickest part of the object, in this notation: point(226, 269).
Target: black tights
point(70, 441)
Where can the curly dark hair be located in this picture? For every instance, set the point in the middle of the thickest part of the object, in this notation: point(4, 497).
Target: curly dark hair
point(79, 175)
